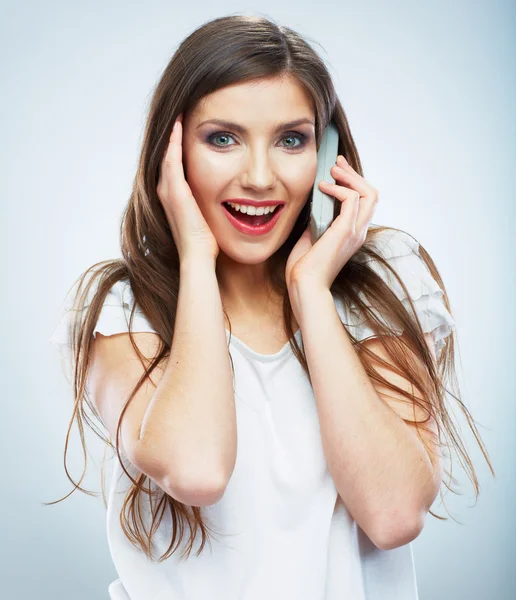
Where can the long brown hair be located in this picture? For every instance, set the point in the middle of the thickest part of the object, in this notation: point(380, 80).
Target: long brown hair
point(222, 52)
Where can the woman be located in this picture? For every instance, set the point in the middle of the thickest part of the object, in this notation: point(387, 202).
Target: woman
point(316, 451)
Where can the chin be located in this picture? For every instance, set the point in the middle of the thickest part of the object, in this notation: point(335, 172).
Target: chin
point(250, 257)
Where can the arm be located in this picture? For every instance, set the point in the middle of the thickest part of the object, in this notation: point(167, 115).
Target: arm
point(379, 465)
point(189, 427)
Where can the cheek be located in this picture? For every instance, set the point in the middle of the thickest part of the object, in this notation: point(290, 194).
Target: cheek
point(201, 175)
point(305, 178)
point(203, 167)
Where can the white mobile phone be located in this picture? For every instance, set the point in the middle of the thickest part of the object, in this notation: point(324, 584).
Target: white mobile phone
point(321, 214)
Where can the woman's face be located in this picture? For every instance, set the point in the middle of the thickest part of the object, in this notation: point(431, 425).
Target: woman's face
point(256, 157)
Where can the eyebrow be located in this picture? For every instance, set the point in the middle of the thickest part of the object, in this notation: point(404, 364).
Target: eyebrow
point(241, 129)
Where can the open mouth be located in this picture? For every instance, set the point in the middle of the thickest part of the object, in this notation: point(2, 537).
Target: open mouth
point(252, 220)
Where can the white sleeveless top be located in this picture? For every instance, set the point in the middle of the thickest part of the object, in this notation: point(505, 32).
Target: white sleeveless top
point(281, 529)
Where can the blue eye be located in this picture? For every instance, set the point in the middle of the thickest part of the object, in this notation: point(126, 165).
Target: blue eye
point(222, 134)
point(218, 135)
point(299, 136)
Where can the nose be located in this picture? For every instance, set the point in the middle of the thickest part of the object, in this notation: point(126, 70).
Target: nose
point(258, 172)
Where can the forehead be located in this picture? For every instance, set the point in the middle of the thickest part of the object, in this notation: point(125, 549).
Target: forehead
point(278, 97)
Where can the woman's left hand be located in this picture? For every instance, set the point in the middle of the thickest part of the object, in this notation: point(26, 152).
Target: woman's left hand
point(320, 263)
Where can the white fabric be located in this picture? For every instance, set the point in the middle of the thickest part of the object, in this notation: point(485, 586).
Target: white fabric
point(114, 317)
point(402, 252)
point(288, 533)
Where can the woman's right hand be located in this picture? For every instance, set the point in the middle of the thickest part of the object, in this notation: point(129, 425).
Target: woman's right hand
point(189, 228)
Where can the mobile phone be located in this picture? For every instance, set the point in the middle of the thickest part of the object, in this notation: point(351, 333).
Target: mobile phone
point(321, 213)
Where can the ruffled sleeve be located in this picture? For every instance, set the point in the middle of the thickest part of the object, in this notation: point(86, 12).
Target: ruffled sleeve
point(402, 253)
point(113, 318)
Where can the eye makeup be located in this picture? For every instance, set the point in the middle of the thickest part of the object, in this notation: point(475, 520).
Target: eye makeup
point(303, 138)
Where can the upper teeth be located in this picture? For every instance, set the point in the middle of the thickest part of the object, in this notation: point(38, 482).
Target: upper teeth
point(253, 210)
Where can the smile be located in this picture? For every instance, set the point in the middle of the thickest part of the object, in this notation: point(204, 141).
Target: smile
point(252, 224)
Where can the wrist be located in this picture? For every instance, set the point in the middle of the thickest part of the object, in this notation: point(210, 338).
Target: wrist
point(197, 261)
point(305, 297)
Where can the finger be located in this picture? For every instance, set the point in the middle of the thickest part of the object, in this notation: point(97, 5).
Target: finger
point(367, 205)
point(356, 182)
point(350, 210)
point(369, 194)
point(173, 157)
point(361, 209)
point(167, 153)
point(342, 162)
point(350, 200)
point(365, 216)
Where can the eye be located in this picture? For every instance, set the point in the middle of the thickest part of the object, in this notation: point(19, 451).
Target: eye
point(301, 137)
point(218, 135)
point(223, 134)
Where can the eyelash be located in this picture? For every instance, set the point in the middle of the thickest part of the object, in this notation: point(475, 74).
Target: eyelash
point(302, 137)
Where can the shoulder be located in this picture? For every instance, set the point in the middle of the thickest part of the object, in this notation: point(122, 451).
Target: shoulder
point(86, 287)
point(398, 260)
point(408, 276)
point(390, 242)
point(113, 316)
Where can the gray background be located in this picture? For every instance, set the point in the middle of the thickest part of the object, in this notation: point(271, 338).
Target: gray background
point(429, 89)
